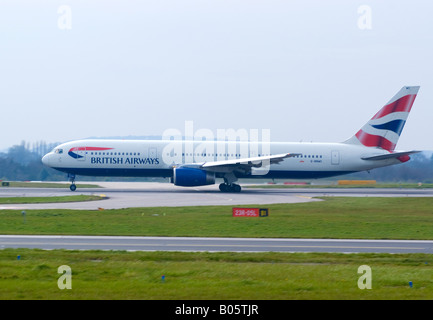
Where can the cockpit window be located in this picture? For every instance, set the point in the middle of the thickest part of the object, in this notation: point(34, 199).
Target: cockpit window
point(59, 151)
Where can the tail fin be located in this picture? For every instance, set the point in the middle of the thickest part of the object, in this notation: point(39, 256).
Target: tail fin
point(384, 129)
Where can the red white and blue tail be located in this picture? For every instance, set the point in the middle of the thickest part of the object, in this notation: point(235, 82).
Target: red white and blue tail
point(384, 129)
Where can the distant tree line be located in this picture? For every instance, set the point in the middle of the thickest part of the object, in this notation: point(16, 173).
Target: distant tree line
point(23, 163)
point(418, 169)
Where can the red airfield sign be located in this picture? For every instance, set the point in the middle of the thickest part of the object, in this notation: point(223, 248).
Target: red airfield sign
point(250, 212)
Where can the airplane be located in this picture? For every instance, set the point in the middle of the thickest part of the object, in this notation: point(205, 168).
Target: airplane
point(192, 163)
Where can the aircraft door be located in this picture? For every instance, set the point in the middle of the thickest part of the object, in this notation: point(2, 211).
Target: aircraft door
point(152, 153)
point(335, 157)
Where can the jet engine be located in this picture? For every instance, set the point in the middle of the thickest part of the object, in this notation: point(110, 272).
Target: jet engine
point(192, 177)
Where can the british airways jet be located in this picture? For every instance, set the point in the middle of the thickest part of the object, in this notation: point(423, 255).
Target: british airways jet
point(188, 163)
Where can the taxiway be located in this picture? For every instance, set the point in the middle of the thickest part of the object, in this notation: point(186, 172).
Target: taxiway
point(123, 195)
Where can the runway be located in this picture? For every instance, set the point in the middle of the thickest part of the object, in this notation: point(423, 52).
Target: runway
point(123, 195)
point(214, 244)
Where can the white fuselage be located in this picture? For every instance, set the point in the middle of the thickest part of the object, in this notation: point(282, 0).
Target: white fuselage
point(198, 163)
point(157, 158)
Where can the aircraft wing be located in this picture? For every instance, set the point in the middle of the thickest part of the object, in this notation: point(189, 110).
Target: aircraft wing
point(245, 164)
point(390, 155)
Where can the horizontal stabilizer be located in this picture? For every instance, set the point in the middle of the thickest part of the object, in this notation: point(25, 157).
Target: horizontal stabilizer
point(395, 155)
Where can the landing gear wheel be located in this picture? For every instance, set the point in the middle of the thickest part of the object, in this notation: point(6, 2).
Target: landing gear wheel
point(236, 188)
point(71, 178)
point(224, 187)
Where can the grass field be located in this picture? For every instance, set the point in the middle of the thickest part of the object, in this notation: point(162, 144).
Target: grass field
point(335, 217)
point(25, 184)
point(345, 186)
point(275, 276)
point(77, 198)
point(246, 276)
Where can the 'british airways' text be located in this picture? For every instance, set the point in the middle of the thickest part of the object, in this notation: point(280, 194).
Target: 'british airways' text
point(119, 160)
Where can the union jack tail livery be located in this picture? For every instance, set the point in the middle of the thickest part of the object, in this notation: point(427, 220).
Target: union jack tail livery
point(384, 129)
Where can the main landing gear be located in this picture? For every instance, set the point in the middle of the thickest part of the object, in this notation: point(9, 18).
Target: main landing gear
point(224, 187)
point(71, 178)
point(229, 185)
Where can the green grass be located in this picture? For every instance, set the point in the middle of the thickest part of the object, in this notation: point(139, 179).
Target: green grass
point(23, 184)
point(329, 186)
point(273, 276)
point(232, 276)
point(22, 200)
point(336, 217)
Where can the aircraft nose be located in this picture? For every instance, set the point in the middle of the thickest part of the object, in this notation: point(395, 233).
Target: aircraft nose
point(46, 159)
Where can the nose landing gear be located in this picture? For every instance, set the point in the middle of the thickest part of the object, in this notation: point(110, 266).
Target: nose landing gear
point(71, 178)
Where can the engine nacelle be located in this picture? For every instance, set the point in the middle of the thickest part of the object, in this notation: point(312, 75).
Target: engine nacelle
point(192, 177)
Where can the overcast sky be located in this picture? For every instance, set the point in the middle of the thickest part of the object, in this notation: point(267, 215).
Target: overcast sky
point(306, 70)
